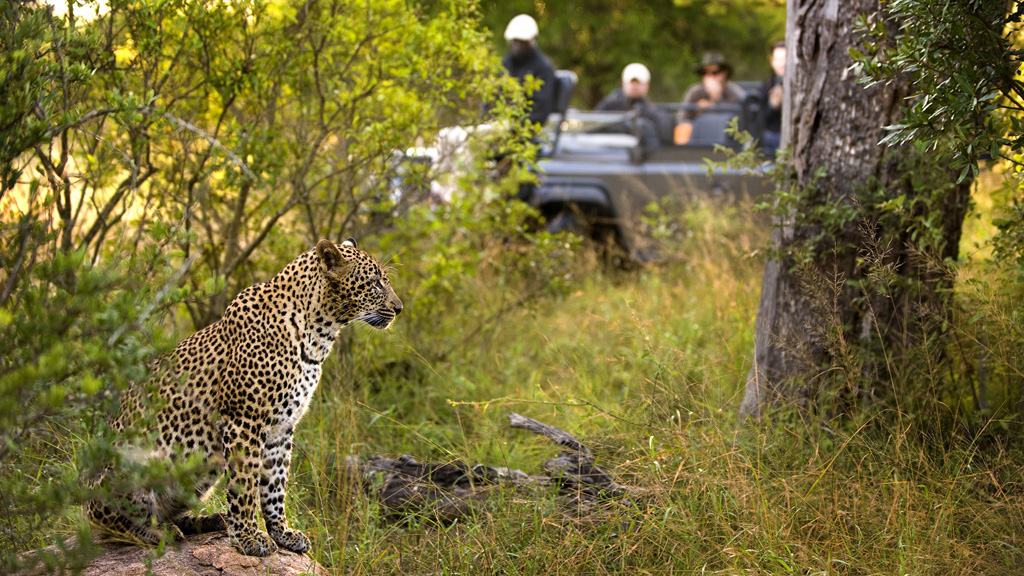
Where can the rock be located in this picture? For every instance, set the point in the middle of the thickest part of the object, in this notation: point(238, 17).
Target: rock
point(203, 555)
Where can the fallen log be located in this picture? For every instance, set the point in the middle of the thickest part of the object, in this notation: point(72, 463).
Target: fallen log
point(444, 491)
point(574, 467)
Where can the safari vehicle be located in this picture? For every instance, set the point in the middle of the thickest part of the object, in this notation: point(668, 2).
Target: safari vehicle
point(598, 174)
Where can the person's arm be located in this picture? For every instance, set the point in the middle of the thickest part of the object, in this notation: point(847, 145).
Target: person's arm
point(608, 102)
point(544, 98)
point(690, 97)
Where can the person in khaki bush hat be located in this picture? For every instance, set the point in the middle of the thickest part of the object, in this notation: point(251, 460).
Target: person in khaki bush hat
point(713, 88)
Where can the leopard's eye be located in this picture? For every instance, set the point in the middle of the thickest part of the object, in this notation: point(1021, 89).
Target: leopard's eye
point(379, 286)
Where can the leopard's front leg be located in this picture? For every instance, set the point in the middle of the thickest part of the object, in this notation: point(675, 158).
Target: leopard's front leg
point(277, 457)
point(243, 450)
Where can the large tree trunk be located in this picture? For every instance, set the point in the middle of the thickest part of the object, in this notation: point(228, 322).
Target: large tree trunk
point(811, 318)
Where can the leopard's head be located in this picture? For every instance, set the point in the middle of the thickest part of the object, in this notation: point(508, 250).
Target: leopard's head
point(357, 286)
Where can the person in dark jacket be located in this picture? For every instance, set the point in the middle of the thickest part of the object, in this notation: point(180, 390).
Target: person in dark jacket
point(525, 59)
point(636, 82)
point(771, 100)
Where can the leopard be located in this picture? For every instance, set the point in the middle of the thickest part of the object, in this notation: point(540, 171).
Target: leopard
point(232, 393)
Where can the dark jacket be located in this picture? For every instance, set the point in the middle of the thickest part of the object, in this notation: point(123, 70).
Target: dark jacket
point(771, 118)
point(659, 124)
point(617, 101)
point(535, 63)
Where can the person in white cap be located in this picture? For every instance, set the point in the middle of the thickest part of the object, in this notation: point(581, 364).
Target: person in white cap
point(636, 82)
point(525, 59)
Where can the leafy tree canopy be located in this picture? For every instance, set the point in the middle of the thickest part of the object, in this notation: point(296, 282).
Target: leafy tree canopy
point(596, 39)
point(964, 58)
point(156, 156)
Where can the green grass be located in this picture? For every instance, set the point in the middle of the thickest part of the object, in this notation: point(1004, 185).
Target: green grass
point(647, 369)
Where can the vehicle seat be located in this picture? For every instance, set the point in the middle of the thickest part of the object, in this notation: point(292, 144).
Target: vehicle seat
point(665, 127)
point(565, 83)
point(709, 129)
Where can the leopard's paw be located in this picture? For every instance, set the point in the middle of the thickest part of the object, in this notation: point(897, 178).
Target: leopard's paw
point(292, 540)
point(256, 543)
point(172, 533)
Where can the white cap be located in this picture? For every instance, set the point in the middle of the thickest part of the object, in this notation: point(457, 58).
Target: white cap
point(636, 71)
point(522, 27)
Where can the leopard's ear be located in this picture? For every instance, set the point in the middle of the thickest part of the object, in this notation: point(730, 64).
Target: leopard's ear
point(351, 242)
point(332, 257)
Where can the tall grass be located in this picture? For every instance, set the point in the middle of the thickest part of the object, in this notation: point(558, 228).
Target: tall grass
point(646, 368)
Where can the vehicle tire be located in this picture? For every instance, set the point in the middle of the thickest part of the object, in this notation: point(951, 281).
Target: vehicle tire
point(568, 220)
point(609, 250)
point(596, 233)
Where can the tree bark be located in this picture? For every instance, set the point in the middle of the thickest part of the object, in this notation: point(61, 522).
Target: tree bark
point(812, 317)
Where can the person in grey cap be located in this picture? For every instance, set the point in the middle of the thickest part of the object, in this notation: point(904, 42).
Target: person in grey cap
point(714, 88)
